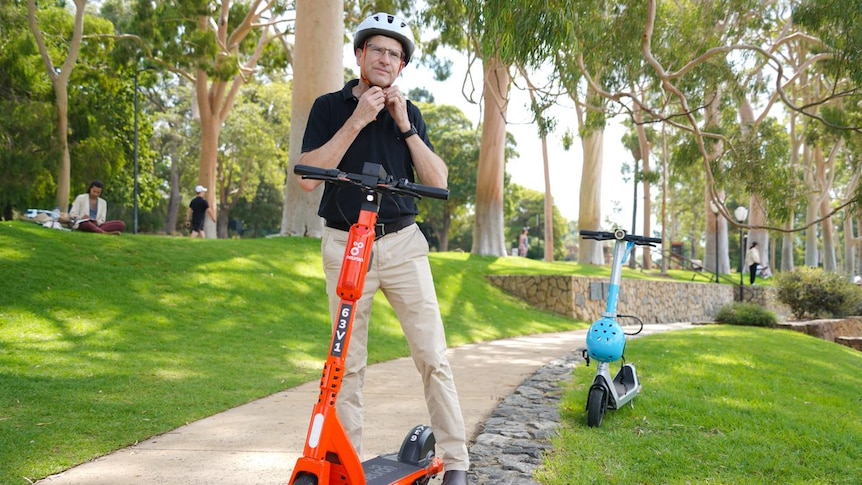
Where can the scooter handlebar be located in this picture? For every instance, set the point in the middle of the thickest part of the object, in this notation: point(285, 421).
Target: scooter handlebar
point(387, 185)
point(621, 235)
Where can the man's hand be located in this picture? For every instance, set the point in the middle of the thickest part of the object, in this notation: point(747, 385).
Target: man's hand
point(370, 103)
point(396, 103)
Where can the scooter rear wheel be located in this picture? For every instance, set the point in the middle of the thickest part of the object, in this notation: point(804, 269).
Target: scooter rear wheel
point(597, 404)
point(306, 480)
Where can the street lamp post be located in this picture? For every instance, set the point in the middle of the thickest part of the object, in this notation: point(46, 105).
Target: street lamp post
point(632, 262)
point(135, 154)
point(714, 209)
point(135, 158)
point(741, 213)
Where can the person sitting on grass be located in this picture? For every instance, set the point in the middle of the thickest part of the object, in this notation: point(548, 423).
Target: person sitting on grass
point(89, 211)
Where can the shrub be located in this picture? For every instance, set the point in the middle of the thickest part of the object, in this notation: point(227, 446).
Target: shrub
point(816, 293)
point(747, 314)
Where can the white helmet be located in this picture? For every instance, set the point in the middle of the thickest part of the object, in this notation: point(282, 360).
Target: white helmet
point(389, 25)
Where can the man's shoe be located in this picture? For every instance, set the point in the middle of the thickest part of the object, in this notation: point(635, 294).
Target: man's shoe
point(455, 477)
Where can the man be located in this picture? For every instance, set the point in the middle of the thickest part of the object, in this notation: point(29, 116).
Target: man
point(199, 208)
point(370, 120)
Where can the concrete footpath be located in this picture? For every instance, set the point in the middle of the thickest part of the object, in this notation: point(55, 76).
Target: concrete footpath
point(258, 443)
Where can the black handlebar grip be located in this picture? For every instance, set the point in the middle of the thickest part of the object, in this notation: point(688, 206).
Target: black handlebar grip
point(590, 233)
point(653, 240)
point(315, 171)
point(427, 190)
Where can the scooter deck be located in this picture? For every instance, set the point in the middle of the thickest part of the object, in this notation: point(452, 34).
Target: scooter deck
point(386, 469)
point(626, 385)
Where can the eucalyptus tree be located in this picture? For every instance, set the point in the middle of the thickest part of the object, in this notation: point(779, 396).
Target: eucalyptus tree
point(456, 141)
point(468, 26)
point(836, 24)
point(218, 47)
point(253, 147)
point(66, 53)
point(318, 68)
point(729, 57)
point(545, 126)
point(91, 101)
point(503, 35)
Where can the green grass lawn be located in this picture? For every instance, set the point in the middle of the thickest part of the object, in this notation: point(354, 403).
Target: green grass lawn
point(106, 341)
point(720, 405)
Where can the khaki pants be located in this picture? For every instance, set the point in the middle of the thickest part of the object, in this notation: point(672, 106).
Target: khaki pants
point(401, 270)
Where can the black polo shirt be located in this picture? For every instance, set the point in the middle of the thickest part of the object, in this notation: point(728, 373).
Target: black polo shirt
point(378, 142)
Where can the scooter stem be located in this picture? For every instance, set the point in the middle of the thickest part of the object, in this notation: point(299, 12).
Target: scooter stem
point(328, 454)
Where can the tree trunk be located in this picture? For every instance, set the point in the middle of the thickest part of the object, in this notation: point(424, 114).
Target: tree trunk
point(488, 234)
point(757, 217)
point(175, 198)
point(549, 200)
point(812, 257)
point(60, 80)
point(665, 259)
point(787, 262)
point(717, 239)
point(319, 35)
point(549, 204)
point(756, 214)
point(645, 150)
point(210, 131)
point(64, 173)
point(824, 181)
point(590, 201)
point(851, 242)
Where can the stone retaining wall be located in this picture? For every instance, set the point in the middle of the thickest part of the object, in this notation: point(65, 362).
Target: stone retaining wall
point(663, 302)
point(852, 342)
point(653, 301)
point(847, 331)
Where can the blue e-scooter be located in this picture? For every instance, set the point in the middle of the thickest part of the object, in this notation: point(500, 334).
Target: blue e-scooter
point(606, 340)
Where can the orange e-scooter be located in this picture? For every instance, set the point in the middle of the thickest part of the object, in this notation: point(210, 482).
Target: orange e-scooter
point(328, 456)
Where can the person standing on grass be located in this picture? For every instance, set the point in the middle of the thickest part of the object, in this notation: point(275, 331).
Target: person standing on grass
point(752, 260)
point(371, 120)
point(89, 211)
point(522, 243)
point(199, 209)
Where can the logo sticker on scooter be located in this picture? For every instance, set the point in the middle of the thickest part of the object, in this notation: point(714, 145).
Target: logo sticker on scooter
point(341, 330)
point(355, 253)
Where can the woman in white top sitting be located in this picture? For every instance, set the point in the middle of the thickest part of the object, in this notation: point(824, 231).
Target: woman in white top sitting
point(89, 211)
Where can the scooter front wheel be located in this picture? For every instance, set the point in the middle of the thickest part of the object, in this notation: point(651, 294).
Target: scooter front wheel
point(597, 404)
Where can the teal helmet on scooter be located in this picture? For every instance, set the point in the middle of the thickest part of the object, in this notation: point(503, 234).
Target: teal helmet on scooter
point(606, 341)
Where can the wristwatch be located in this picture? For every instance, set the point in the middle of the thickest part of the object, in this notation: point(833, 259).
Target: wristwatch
point(407, 134)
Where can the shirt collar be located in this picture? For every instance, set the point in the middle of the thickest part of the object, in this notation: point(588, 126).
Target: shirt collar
point(347, 90)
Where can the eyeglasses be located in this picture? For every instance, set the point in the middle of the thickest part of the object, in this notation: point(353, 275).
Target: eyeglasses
point(379, 51)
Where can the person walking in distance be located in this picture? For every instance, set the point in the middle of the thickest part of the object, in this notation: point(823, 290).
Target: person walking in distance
point(371, 120)
point(752, 260)
point(199, 209)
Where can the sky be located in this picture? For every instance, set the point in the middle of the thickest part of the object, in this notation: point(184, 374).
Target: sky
point(527, 169)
